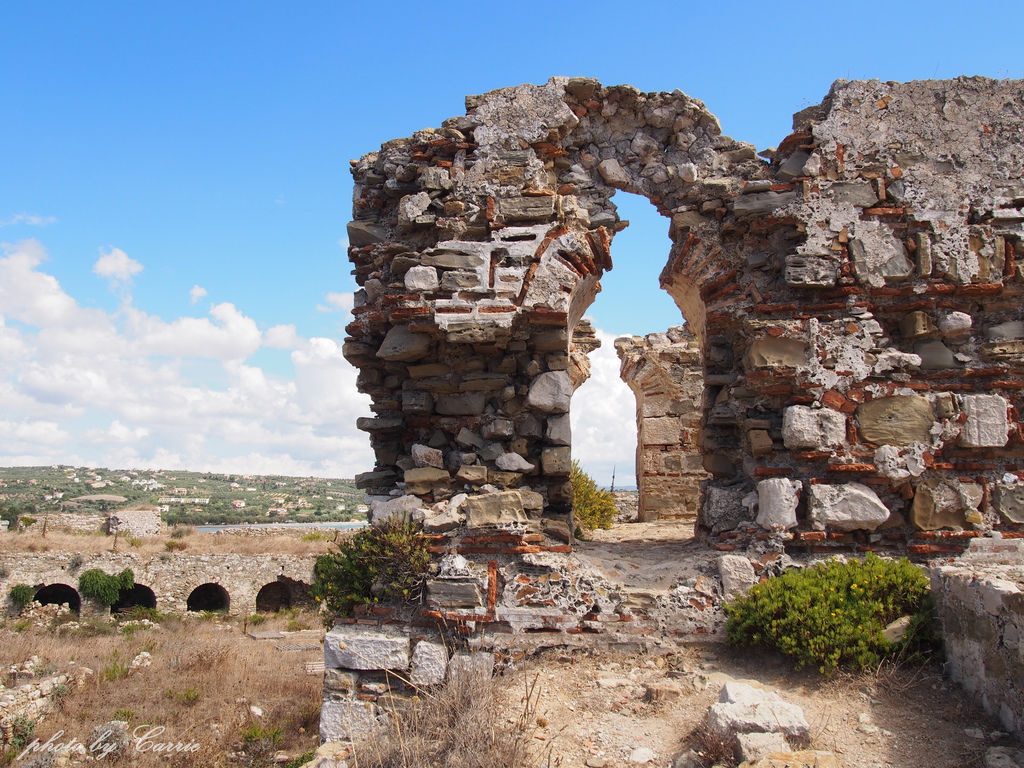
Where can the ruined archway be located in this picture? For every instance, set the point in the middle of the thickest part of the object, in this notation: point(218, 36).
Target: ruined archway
point(59, 594)
point(855, 298)
point(282, 594)
point(139, 595)
point(208, 597)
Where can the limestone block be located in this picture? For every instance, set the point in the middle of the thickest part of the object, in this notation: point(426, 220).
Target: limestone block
point(813, 428)
point(411, 207)
point(513, 462)
point(776, 352)
point(899, 420)
point(754, 746)
point(424, 479)
point(353, 646)
point(737, 575)
point(466, 404)
point(878, 256)
point(429, 664)
point(943, 503)
point(382, 510)
point(533, 208)
point(421, 279)
point(664, 430)
point(494, 509)
point(741, 708)
point(1009, 502)
point(453, 593)
point(847, 507)
point(805, 758)
point(556, 461)
point(986, 425)
point(613, 173)
point(760, 203)
point(811, 271)
point(531, 499)
point(935, 356)
point(340, 681)
point(402, 345)
point(473, 474)
point(473, 668)
point(415, 401)
point(760, 442)
point(550, 392)
point(559, 430)
point(777, 499)
point(917, 325)
point(347, 719)
point(497, 428)
point(859, 193)
point(1013, 329)
point(425, 456)
point(724, 509)
point(469, 439)
point(362, 233)
point(448, 520)
point(954, 324)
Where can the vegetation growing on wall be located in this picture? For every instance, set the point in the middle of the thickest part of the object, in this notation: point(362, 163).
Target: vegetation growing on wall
point(104, 588)
point(386, 563)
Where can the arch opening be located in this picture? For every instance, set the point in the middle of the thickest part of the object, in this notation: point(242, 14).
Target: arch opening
point(59, 594)
point(140, 595)
point(208, 597)
point(282, 594)
point(653, 403)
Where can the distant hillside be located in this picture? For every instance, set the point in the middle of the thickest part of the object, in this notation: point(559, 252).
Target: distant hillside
point(185, 497)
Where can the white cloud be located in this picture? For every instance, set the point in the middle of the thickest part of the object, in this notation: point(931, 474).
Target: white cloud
point(281, 337)
point(116, 265)
point(196, 293)
point(28, 219)
point(337, 302)
point(81, 385)
point(604, 419)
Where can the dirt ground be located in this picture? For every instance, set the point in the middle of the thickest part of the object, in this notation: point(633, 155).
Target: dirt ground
point(595, 710)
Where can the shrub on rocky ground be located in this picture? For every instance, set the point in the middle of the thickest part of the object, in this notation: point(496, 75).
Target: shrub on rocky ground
point(835, 614)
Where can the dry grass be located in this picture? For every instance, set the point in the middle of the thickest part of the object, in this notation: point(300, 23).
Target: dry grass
point(463, 724)
point(193, 543)
point(203, 679)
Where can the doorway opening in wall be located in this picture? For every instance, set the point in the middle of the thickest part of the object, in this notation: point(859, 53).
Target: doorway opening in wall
point(647, 428)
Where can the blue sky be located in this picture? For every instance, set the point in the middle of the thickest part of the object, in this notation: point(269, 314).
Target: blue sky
point(173, 287)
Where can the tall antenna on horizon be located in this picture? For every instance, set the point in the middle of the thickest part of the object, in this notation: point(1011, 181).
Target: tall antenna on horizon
point(613, 479)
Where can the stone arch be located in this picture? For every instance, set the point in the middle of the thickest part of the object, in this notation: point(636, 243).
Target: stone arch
point(139, 595)
point(282, 594)
point(840, 287)
point(59, 594)
point(208, 597)
point(491, 286)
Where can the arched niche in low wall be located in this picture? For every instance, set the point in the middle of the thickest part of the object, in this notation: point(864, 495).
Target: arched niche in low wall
point(855, 298)
point(137, 596)
point(208, 597)
point(59, 594)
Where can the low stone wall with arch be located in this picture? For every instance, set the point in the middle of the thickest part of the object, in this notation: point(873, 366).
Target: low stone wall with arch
point(164, 581)
point(855, 297)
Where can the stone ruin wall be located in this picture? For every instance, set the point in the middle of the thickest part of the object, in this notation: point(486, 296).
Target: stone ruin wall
point(171, 576)
point(665, 373)
point(856, 303)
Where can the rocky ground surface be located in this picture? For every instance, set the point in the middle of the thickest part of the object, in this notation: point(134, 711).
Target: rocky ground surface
point(605, 710)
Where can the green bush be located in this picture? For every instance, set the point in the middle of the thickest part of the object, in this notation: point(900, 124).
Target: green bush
point(592, 507)
point(103, 588)
point(21, 595)
point(833, 614)
point(386, 563)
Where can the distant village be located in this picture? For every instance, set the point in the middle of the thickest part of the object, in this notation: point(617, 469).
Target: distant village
point(194, 498)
